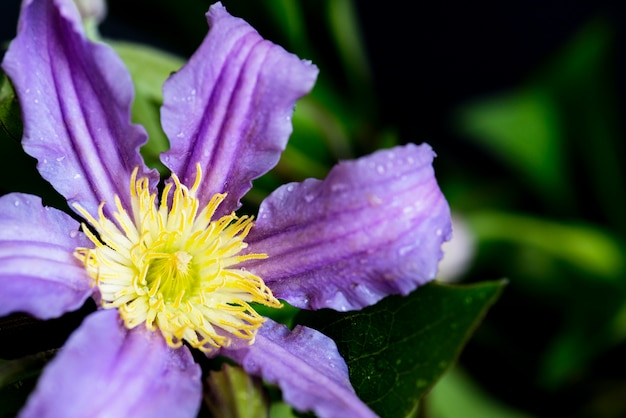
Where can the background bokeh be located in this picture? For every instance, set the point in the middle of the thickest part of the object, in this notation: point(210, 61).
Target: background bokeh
point(523, 101)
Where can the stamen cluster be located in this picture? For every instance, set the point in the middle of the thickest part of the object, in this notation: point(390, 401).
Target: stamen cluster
point(171, 266)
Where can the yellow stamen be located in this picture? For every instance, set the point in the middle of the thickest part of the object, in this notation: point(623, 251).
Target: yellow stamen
point(174, 268)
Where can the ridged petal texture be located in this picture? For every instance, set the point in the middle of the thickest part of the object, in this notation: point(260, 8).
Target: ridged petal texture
point(231, 112)
point(38, 273)
point(372, 228)
point(307, 367)
point(75, 97)
point(106, 370)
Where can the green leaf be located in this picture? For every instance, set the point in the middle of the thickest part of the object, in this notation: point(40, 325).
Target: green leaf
point(586, 247)
point(18, 171)
point(10, 119)
point(149, 68)
point(231, 392)
point(18, 377)
point(397, 349)
point(457, 395)
point(524, 131)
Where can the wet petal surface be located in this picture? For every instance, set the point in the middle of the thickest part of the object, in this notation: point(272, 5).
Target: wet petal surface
point(373, 227)
point(106, 370)
point(75, 97)
point(230, 108)
point(39, 274)
point(305, 364)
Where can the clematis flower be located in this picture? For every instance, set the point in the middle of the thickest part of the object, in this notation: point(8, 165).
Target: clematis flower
point(177, 270)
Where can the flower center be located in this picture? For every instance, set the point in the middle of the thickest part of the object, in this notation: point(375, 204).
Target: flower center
point(174, 268)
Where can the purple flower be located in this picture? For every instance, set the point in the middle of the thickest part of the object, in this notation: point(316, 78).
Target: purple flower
point(179, 269)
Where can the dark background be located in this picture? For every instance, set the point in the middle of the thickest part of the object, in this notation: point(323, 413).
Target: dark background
point(426, 59)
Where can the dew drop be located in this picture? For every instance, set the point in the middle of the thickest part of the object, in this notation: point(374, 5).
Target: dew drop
point(404, 250)
point(290, 188)
point(77, 176)
point(410, 160)
point(309, 198)
point(61, 158)
point(36, 100)
point(16, 203)
point(438, 232)
point(73, 233)
point(335, 187)
point(380, 169)
point(180, 135)
point(373, 199)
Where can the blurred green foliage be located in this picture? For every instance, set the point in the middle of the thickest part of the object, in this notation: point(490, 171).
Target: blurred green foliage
point(547, 213)
point(337, 120)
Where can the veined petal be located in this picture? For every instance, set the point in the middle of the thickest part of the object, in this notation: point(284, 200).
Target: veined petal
point(230, 108)
point(75, 97)
point(373, 227)
point(307, 367)
point(106, 370)
point(38, 272)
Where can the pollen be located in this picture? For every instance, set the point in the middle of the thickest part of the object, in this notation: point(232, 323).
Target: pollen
point(172, 267)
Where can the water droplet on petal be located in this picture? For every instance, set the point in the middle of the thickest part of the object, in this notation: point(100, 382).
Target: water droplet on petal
point(16, 203)
point(290, 188)
point(380, 169)
point(373, 199)
point(73, 233)
point(335, 187)
point(308, 198)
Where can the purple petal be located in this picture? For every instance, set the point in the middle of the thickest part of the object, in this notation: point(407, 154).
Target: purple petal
point(374, 227)
point(106, 370)
point(230, 108)
point(75, 97)
point(38, 272)
point(307, 367)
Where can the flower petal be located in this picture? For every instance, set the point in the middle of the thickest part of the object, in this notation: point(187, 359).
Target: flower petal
point(374, 227)
point(75, 97)
point(307, 367)
point(230, 108)
point(38, 273)
point(106, 370)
